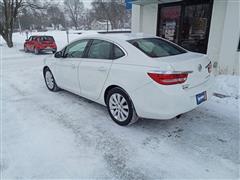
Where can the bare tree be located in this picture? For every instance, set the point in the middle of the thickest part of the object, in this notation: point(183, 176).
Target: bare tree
point(10, 10)
point(88, 19)
point(111, 10)
point(56, 16)
point(75, 9)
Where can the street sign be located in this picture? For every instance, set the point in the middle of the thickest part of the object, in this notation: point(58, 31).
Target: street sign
point(128, 4)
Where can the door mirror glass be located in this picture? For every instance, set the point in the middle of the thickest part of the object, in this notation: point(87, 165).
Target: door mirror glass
point(58, 54)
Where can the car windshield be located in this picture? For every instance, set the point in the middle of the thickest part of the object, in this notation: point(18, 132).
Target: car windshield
point(155, 47)
point(46, 38)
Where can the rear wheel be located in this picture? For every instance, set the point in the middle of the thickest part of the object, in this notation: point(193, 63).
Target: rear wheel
point(36, 51)
point(120, 107)
point(50, 81)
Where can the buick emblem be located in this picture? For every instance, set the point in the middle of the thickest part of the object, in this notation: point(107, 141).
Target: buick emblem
point(199, 67)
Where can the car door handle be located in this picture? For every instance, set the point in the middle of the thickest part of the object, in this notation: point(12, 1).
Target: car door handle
point(73, 66)
point(102, 69)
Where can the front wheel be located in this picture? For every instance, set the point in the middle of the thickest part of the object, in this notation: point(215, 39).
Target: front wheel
point(120, 107)
point(50, 81)
point(25, 49)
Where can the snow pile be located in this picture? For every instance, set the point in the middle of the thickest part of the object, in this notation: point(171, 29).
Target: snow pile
point(228, 85)
point(59, 135)
point(59, 36)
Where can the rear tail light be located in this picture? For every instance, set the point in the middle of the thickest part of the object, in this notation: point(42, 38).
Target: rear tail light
point(169, 79)
point(209, 66)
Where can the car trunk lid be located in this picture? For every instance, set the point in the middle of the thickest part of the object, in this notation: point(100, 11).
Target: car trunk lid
point(194, 63)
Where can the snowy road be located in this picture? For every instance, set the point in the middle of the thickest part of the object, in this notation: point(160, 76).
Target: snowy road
point(61, 135)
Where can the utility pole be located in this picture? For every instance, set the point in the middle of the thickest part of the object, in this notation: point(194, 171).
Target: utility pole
point(107, 25)
point(19, 25)
point(67, 32)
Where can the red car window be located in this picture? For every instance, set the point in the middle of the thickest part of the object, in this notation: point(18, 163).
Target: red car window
point(46, 38)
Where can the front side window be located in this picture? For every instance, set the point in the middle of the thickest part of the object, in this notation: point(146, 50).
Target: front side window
point(76, 49)
point(155, 47)
point(34, 38)
point(100, 49)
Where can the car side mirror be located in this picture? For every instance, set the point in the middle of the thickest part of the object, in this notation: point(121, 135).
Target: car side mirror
point(27, 40)
point(58, 54)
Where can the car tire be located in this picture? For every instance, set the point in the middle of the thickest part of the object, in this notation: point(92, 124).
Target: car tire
point(120, 107)
point(36, 51)
point(50, 81)
point(25, 49)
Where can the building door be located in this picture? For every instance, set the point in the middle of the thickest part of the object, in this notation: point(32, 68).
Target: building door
point(186, 23)
point(170, 22)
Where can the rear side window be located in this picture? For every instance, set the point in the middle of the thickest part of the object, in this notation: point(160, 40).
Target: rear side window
point(155, 47)
point(117, 52)
point(100, 49)
point(46, 38)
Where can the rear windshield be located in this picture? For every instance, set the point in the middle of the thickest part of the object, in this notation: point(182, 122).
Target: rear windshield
point(155, 47)
point(46, 38)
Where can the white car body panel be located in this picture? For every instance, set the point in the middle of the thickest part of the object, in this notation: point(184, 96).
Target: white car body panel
point(66, 74)
point(91, 77)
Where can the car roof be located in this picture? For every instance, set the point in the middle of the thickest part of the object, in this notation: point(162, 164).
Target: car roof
point(117, 36)
point(41, 36)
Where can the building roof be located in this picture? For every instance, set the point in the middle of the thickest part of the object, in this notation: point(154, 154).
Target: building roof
point(102, 22)
point(145, 2)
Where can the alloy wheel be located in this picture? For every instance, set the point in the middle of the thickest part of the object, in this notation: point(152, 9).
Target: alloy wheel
point(49, 80)
point(119, 107)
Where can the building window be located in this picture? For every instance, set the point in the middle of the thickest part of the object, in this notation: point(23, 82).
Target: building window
point(186, 23)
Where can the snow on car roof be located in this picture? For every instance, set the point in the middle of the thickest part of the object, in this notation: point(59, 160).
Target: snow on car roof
point(117, 36)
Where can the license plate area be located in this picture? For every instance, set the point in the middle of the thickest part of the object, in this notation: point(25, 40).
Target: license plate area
point(201, 97)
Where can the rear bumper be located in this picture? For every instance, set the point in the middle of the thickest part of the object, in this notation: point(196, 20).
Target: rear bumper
point(48, 49)
point(155, 101)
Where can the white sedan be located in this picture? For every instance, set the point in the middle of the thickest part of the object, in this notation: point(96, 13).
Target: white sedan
point(134, 75)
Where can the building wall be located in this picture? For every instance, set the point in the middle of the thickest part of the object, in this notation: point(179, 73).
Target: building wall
point(150, 13)
point(136, 19)
point(144, 18)
point(96, 25)
point(224, 36)
point(224, 32)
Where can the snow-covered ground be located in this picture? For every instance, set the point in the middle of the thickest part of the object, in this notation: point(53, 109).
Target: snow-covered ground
point(61, 135)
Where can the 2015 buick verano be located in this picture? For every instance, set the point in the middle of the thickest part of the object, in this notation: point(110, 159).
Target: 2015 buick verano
point(134, 75)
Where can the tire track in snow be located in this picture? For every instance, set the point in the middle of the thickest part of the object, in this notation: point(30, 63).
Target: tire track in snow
point(114, 152)
point(117, 155)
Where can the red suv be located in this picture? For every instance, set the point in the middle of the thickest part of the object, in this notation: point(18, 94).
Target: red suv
point(39, 44)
